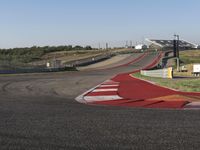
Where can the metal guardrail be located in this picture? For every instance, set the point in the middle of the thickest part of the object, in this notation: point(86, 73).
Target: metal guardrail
point(161, 73)
point(36, 70)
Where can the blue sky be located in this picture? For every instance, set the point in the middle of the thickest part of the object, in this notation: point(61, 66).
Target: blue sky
point(62, 22)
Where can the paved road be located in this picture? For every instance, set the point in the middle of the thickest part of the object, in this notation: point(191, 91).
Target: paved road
point(38, 111)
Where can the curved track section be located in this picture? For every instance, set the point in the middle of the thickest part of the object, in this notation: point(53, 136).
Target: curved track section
point(38, 111)
point(111, 64)
point(124, 90)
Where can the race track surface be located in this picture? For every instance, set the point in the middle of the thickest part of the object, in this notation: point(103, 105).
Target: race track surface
point(38, 111)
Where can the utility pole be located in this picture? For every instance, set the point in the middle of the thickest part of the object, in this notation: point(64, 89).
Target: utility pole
point(176, 51)
point(126, 44)
point(131, 44)
point(106, 46)
point(177, 45)
point(99, 46)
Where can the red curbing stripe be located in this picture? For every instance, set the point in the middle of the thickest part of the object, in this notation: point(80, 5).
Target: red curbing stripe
point(102, 93)
point(139, 103)
point(111, 102)
point(168, 104)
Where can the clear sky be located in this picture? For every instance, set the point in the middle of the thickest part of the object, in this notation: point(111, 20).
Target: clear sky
point(62, 22)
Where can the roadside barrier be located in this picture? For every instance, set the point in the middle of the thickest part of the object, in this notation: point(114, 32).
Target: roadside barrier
point(36, 70)
point(161, 73)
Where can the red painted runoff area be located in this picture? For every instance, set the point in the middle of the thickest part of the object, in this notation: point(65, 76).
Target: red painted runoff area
point(132, 88)
point(142, 103)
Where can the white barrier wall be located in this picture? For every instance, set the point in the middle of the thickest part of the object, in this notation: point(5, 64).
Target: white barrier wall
point(161, 73)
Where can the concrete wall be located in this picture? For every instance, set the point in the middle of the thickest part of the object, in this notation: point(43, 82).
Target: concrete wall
point(161, 73)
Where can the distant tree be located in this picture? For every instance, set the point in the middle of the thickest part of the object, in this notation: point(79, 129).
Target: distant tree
point(77, 47)
point(32, 53)
point(88, 48)
point(69, 48)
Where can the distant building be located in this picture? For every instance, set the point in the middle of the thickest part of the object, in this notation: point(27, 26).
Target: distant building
point(140, 47)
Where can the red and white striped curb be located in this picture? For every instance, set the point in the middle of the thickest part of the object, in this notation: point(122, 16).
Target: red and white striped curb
point(107, 91)
point(107, 94)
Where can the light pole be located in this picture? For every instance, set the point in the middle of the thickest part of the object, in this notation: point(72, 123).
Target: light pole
point(176, 50)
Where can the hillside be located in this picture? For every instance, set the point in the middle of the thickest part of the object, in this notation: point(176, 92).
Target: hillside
point(39, 56)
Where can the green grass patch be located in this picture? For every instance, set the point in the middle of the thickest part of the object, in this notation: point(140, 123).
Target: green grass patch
point(182, 84)
point(190, 56)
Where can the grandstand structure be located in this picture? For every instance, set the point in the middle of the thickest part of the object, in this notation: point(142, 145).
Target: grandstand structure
point(169, 44)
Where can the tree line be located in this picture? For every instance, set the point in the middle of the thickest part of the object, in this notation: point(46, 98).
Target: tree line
point(29, 54)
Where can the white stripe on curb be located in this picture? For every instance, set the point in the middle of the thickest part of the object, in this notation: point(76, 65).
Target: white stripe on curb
point(105, 90)
point(80, 98)
point(109, 85)
point(83, 98)
point(102, 98)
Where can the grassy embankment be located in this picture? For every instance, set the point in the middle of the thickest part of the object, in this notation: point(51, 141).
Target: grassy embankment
point(183, 84)
point(189, 84)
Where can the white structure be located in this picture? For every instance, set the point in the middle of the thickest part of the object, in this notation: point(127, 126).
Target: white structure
point(196, 68)
point(140, 47)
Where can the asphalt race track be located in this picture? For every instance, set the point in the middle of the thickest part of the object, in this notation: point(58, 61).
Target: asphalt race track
point(38, 111)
